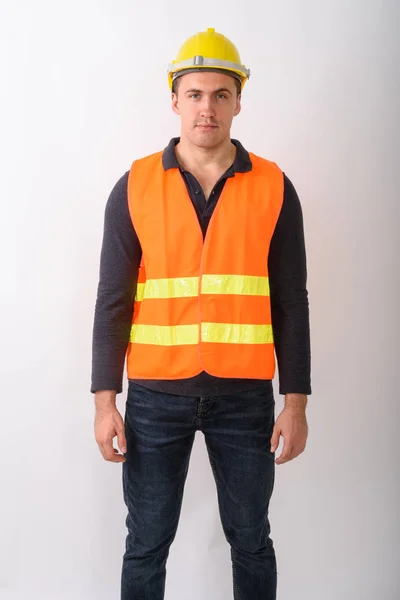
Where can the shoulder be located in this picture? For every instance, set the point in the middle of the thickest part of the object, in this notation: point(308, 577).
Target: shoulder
point(268, 176)
point(266, 166)
point(116, 211)
point(290, 191)
point(291, 207)
point(121, 184)
point(118, 193)
point(149, 159)
point(262, 165)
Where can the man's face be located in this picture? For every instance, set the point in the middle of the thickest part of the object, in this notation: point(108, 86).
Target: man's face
point(206, 103)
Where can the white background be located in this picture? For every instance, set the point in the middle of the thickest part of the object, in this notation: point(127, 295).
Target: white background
point(83, 93)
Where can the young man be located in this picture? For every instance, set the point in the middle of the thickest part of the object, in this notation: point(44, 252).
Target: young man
point(202, 280)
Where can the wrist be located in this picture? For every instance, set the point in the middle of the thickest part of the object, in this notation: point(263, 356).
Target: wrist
point(296, 401)
point(105, 398)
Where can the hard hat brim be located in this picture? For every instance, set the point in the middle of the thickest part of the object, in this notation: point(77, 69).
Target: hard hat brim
point(198, 63)
point(208, 69)
point(201, 62)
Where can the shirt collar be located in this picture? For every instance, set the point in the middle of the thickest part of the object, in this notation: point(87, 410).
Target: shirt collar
point(241, 164)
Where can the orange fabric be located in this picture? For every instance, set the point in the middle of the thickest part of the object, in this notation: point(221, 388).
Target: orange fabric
point(237, 243)
point(141, 279)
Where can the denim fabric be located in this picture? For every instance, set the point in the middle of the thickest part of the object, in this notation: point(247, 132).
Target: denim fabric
point(160, 430)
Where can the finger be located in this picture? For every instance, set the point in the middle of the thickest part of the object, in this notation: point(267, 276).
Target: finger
point(121, 440)
point(296, 451)
point(110, 453)
point(286, 453)
point(275, 438)
point(116, 458)
point(283, 458)
point(117, 453)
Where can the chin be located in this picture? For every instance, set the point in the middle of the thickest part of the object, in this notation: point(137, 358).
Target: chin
point(207, 139)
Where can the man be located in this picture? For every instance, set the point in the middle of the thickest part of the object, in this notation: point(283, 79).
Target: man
point(202, 279)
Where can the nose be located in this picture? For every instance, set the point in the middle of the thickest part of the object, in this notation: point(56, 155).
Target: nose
point(207, 108)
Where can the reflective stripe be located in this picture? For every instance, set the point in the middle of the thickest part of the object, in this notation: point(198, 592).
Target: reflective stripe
point(246, 285)
point(174, 287)
point(226, 333)
point(201, 61)
point(187, 287)
point(139, 292)
point(164, 335)
point(180, 335)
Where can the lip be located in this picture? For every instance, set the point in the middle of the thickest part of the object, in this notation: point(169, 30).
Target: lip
point(207, 126)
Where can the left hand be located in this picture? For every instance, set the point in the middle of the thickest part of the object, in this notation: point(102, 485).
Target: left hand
point(292, 426)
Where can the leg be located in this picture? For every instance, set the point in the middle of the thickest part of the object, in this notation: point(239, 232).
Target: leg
point(237, 430)
point(160, 435)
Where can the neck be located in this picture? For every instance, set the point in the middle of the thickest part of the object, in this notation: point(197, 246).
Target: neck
point(195, 158)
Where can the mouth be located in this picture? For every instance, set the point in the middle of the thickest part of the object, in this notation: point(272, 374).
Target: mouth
point(206, 127)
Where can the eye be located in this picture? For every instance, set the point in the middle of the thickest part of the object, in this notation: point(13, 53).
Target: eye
point(222, 96)
point(193, 95)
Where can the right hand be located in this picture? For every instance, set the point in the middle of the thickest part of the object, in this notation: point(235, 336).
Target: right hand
point(108, 424)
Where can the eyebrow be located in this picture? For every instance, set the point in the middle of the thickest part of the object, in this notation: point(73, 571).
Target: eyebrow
point(215, 91)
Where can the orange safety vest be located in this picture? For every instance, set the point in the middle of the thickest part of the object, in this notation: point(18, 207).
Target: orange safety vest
point(203, 305)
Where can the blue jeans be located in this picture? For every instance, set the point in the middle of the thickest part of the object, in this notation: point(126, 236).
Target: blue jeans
point(160, 430)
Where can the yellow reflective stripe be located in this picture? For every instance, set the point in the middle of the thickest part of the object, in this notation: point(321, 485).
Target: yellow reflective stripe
point(179, 335)
point(173, 287)
point(249, 285)
point(139, 292)
point(164, 335)
point(227, 333)
point(187, 287)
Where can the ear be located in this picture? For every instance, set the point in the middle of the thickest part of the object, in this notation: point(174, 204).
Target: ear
point(175, 107)
point(238, 106)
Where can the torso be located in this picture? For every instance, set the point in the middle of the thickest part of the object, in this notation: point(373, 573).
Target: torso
point(207, 182)
point(208, 177)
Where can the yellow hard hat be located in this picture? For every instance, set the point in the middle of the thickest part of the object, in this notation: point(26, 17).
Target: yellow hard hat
point(210, 51)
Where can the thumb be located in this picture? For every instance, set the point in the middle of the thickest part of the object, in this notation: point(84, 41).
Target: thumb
point(275, 438)
point(121, 439)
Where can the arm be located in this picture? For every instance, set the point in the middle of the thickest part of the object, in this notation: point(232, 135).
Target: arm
point(119, 263)
point(289, 297)
point(290, 323)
